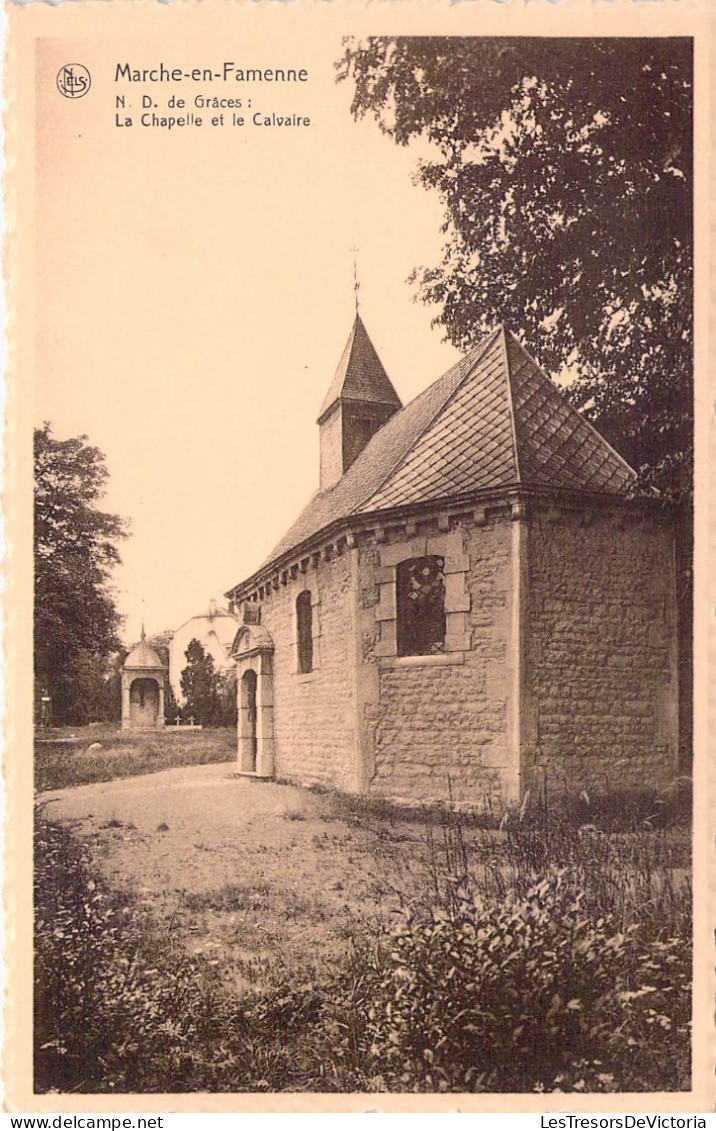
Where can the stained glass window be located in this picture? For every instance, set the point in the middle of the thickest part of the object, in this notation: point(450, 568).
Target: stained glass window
point(421, 606)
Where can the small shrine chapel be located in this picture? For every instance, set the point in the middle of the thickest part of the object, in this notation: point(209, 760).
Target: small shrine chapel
point(143, 678)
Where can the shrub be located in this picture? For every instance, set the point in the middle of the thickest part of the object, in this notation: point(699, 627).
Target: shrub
point(210, 695)
point(529, 994)
point(116, 1007)
point(119, 1006)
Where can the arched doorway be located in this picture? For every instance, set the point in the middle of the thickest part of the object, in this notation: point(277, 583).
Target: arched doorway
point(253, 652)
point(248, 710)
point(143, 703)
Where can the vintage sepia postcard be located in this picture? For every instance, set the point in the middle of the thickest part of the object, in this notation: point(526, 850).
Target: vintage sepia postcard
point(357, 490)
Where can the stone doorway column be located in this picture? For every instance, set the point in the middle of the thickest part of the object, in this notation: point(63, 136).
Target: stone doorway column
point(253, 651)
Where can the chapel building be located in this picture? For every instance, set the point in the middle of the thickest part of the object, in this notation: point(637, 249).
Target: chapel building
point(477, 601)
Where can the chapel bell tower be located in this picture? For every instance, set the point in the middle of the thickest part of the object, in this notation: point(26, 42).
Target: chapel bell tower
point(360, 399)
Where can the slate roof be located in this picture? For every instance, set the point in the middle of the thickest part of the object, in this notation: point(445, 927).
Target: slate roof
point(507, 424)
point(494, 420)
point(360, 375)
point(142, 656)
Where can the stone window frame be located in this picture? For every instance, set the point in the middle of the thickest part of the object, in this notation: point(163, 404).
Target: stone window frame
point(298, 586)
point(458, 637)
point(420, 634)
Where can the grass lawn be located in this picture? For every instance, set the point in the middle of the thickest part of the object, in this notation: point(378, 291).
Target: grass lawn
point(196, 931)
point(80, 755)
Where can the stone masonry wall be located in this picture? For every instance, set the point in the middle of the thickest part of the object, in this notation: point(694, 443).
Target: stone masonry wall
point(600, 684)
point(446, 716)
point(314, 714)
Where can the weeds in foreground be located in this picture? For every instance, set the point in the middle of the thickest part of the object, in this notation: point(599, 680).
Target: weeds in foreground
point(636, 876)
point(538, 958)
point(229, 898)
point(607, 811)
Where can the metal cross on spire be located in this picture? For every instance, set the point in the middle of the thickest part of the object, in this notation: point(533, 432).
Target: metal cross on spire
point(356, 284)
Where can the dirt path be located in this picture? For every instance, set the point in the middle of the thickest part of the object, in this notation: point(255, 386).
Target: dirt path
point(254, 874)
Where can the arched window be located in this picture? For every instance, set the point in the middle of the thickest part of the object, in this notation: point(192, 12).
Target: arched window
point(304, 631)
point(421, 606)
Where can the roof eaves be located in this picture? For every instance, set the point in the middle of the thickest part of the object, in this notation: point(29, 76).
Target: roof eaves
point(393, 514)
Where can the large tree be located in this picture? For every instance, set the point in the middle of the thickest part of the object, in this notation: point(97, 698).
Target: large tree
point(198, 683)
point(76, 621)
point(210, 695)
point(565, 171)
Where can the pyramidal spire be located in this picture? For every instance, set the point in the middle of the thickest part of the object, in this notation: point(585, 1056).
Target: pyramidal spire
point(360, 399)
point(360, 375)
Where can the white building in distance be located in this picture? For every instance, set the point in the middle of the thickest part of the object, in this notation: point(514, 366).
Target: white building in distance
point(215, 631)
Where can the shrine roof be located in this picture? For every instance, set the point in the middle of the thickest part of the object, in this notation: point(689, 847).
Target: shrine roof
point(143, 656)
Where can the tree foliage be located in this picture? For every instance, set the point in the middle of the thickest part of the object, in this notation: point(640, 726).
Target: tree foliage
point(113, 695)
point(161, 643)
point(75, 548)
point(210, 695)
point(565, 170)
point(198, 682)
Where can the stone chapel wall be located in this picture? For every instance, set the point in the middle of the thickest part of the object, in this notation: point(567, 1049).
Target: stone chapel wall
point(448, 716)
point(314, 713)
point(602, 671)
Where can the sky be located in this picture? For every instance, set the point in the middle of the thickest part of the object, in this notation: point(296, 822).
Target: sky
point(195, 293)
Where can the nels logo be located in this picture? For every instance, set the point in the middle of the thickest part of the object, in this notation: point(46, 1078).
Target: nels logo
point(73, 80)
